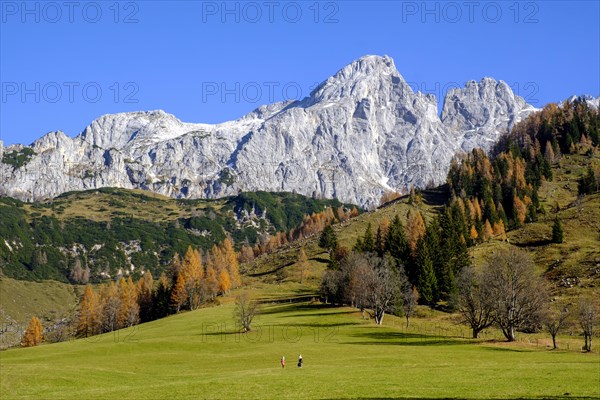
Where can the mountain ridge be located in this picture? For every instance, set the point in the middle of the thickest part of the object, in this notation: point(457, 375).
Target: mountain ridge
point(360, 133)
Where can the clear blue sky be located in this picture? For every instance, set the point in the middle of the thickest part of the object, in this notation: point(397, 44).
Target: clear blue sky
point(179, 56)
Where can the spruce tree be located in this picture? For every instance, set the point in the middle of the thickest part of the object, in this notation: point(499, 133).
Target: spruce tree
point(426, 280)
point(557, 231)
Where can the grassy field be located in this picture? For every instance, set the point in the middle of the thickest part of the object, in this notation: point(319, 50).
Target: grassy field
point(199, 355)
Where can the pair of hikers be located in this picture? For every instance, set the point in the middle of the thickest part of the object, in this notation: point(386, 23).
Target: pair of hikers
point(299, 361)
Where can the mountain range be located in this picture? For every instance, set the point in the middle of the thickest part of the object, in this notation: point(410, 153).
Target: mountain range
point(359, 134)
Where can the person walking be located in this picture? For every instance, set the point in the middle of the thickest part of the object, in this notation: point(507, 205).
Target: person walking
point(300, 361)
point(282, 361)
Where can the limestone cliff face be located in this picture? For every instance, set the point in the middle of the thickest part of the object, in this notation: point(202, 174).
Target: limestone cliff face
point(360, 133)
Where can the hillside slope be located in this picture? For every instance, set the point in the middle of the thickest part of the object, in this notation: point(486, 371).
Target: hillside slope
point(108, 232)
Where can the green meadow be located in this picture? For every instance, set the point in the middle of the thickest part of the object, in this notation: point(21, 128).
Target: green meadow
point(199, 355)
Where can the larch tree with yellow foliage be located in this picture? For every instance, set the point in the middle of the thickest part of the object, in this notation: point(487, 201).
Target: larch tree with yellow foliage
point(415, 228)
point(89, 314)
point(34, 334)
point(129, 310)
point(193, 273)
point(302, 264)
point(231, 262)
point(224, 281)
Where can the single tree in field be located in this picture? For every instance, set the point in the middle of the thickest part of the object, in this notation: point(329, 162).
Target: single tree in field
point(557, 231)
point(89, 318)
point(554, 321)
point(381, 286)
point(587, 319)
point(517, 292)
point(245, 311)
point(328, 240)
point(33, 335)
point(302, 264)
point(474, 302)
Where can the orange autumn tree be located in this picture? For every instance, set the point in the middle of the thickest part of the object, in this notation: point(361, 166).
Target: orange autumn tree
point(33, 335)
point(302, 264)
point(211, 282)
point(224, 281)
point(415, 228)
point(192, 273)
point(89, 314)
point(231, 261)
point(129, 310)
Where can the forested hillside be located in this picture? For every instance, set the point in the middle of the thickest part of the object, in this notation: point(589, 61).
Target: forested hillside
point(100, 234)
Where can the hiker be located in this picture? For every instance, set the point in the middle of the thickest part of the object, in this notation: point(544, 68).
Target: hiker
point(300, 361)
point(282, 361)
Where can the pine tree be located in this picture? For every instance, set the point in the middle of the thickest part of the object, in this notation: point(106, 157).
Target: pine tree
point(89, 318)
point(161, 299)
point(328, 240)
point(426, 280)
point(557, 231)
point(34, 334)
point(145, 292)
point(395, 241)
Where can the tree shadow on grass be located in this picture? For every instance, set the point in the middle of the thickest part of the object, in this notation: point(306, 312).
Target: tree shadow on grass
point(406, 339)
point(300, 308)
point(566, 396)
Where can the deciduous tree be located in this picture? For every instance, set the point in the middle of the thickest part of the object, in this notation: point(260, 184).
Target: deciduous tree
point(89, 314)
point(517, 292)
point(33, 334)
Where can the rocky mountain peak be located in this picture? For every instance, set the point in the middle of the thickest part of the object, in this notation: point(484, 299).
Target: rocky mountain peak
point(360, 133)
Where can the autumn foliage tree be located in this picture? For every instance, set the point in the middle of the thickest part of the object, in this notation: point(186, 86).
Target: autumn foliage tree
point(33, 334)
point(89, 314)
point(128, 314)
point(302, 264)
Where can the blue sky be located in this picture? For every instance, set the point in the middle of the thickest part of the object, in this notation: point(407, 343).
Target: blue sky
point(63, 65)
